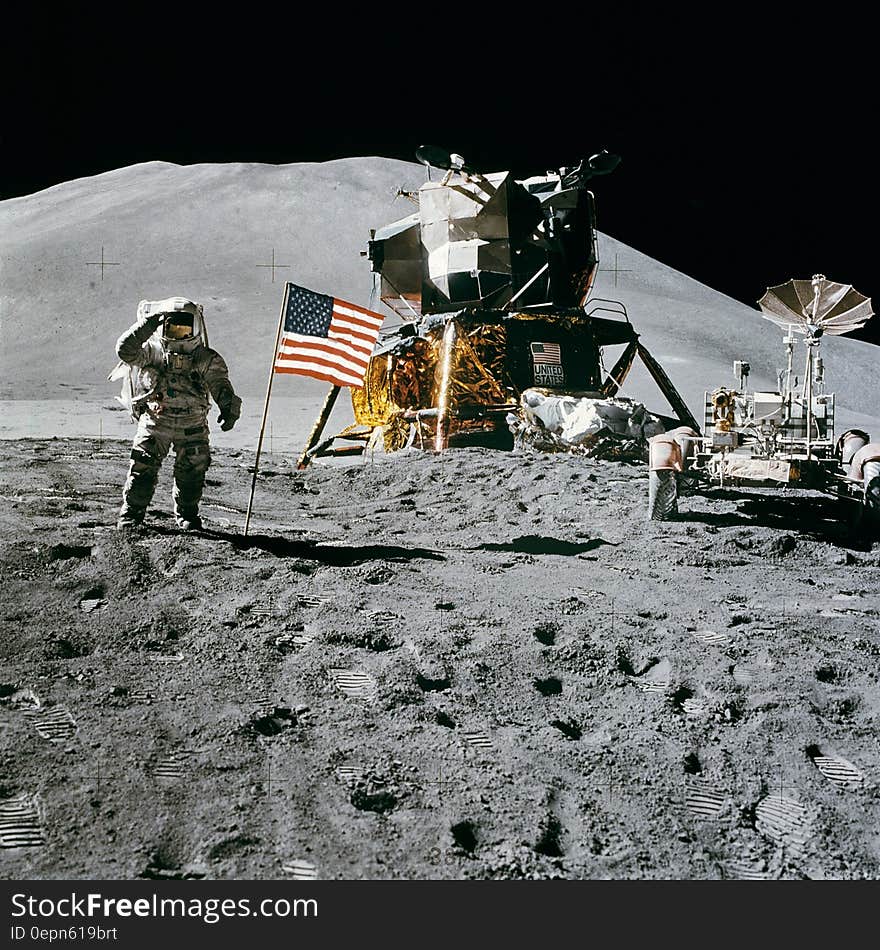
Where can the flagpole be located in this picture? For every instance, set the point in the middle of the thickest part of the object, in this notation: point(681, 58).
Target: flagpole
point(247, 519)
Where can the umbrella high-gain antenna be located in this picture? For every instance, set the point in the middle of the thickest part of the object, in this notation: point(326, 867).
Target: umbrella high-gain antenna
point(813, 308)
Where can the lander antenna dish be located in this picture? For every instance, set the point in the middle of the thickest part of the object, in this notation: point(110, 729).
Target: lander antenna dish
point(816, 307)
point(434, 157)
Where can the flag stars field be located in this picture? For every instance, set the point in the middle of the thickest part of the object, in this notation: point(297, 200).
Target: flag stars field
point(326, 338)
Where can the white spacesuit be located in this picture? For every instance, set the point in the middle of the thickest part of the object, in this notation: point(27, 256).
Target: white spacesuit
point(176, 371)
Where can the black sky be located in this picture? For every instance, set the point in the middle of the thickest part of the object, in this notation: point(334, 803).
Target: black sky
point(745, 146)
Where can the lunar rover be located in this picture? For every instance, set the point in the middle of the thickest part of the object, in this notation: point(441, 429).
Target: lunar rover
point(781, 438)
point(490, 280)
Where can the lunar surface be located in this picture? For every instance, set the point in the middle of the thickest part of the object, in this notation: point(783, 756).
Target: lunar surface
point(474, 665)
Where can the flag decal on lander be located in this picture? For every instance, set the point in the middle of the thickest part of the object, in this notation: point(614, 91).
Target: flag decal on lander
point(547, 364)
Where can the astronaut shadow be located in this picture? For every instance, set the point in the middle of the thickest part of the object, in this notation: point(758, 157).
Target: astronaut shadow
point(332, 555)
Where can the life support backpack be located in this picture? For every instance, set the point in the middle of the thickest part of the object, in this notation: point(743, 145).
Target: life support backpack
point(136, 386)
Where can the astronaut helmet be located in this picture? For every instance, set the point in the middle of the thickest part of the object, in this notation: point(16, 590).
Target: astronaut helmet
point(182, 325)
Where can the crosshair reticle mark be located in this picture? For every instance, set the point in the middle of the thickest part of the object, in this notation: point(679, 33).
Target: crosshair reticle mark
point(616, 269)
point(778, 781)
point(441, 782)
point(273, 265)
point(103, 263)
point(610, 786)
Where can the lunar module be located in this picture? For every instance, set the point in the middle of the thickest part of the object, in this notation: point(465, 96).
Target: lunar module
point(780, 438)
point(489, 280)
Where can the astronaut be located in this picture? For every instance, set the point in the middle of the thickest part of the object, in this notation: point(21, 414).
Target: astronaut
point(174, 372)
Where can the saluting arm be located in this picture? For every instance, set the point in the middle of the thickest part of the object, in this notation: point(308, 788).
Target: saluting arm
point(130, 346)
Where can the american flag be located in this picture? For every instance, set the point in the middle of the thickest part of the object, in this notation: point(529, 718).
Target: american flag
point(326, 338)
point(546, 353)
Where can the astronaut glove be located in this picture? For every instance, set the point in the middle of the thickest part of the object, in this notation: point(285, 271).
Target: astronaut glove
point(152, 320)
point(226, 423)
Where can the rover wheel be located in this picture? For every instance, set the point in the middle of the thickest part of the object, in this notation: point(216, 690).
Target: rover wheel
point(662, 495)
point(851, 514)
point(870, 519)
point(872, 489)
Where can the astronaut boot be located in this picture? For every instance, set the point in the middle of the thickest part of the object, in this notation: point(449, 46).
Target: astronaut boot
point(129, 519)
point(187, 521)
point(186, 511)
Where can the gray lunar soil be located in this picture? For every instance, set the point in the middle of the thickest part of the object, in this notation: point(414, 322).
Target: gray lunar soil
point(473, 665)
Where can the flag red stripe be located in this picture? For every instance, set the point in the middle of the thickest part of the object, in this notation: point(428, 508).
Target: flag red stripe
point(331, 348)
point(324, 360)
point(335, 342)
point(374, 317)
point(348, 376)
point(367, 326)
point(353, 326)
point(313, 357)
point(368, 339)
point(329, 377)
point(351, 350)
point(355, 320)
